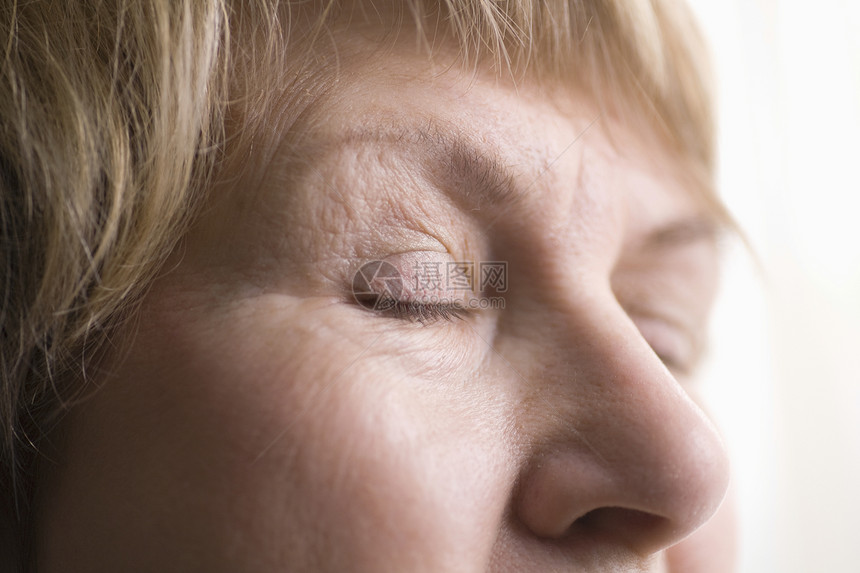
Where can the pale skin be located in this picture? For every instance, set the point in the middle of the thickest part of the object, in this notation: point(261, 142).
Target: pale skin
point(259, 419)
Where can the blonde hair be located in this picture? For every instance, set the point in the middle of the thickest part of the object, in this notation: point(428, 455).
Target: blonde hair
point(112, 121)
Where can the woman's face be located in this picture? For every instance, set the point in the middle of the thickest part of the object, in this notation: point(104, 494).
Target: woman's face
point(286, 403)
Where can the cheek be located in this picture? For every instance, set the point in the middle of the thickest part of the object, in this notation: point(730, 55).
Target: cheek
point(367, 456)
point(299, 444)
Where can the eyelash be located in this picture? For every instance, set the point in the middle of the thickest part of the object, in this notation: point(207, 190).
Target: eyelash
point(425, 313)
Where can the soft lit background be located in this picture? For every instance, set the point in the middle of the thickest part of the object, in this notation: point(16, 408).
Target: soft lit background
point(784, 375)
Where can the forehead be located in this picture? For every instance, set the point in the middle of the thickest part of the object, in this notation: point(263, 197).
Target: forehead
point(643, 63)
point(491, 143)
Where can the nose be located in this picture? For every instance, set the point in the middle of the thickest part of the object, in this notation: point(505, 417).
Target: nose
point(625, 455)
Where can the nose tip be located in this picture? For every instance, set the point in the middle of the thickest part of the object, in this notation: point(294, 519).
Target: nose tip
point(644, 481)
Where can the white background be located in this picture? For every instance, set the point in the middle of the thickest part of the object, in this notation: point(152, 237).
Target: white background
point(784, 374)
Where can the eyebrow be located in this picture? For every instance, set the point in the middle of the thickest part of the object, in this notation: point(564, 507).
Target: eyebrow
point(471, 174)
point(683, 232)
point(476, 175)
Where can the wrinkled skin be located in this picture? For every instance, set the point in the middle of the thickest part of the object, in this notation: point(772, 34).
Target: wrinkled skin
point(255, 417)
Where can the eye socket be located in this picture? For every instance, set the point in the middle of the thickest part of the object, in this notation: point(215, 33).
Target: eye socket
point(416, 286)
point(672, 344)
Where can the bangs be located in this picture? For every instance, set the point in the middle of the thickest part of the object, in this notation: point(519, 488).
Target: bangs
point(642, 62)
point(639, 59)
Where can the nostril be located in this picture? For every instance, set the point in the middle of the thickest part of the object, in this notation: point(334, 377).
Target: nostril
point(638, 530)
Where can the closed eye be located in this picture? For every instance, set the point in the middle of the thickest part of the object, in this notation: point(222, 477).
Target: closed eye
point(395, 287)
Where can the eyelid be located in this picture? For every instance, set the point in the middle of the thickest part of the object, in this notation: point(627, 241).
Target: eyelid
point(428, 274)
point(675, 346)
point(423, 290)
